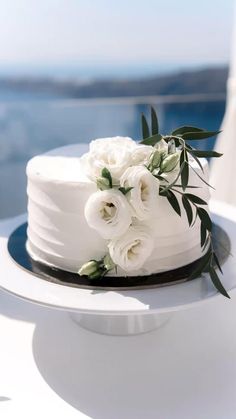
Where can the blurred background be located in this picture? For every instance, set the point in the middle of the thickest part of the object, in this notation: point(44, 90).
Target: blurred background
point(72, 71)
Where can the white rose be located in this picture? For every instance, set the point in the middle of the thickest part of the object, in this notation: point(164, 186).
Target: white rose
point(141, 154)
point(143, 198)
point(113, 153)
point(112, 141)
point(131, 250)
point(108, 212)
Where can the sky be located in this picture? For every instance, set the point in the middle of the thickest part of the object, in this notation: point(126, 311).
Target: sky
point(114, 34)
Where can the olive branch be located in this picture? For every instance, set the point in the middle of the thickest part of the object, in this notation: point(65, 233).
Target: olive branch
point(192, 204)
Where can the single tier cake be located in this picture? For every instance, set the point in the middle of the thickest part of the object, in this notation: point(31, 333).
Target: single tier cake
point(107, 211)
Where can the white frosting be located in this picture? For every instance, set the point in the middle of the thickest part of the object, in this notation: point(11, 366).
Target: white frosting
point(59, 235)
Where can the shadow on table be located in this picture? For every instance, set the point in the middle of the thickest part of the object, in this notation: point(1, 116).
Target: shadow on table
point(162, 374)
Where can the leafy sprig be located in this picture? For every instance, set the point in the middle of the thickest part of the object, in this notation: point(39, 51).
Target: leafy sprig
point(191, 203)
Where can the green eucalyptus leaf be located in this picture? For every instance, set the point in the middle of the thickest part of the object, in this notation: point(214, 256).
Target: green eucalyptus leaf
point(205, 153)
point(196, 159)
point(217, 283)
point(201, 266)
point(203, 234)
point(174, 202)
point(217, 262)
point(145, 128)
point(195, 199)
point(163, 191)
point(185, 169)
point(154, 139)
point(154, 120)
point(199, 135)
point(187, 187)
point(161, 178)
point(204, 217)
point(206, 242)
point(203, 180)
point(188, 209)
point(182, 130)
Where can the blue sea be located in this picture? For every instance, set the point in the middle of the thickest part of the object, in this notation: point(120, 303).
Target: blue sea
point(30, 125)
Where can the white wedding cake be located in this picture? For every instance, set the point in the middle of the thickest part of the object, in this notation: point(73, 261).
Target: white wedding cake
point(107, 211)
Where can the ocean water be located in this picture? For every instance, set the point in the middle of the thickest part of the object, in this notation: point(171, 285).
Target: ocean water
point(29, 127)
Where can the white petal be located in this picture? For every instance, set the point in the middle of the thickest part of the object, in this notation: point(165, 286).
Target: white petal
point(108, 212)
point(131, 250)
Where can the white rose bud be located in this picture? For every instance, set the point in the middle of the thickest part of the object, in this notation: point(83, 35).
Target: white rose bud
point(108, 212)
point(143, 197)
point(131, 250)
point(170, 162)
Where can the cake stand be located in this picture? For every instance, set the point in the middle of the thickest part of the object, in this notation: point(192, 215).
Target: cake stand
point(117, 312)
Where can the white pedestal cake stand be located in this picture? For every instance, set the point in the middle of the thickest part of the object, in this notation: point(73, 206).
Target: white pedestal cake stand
point(117, 312)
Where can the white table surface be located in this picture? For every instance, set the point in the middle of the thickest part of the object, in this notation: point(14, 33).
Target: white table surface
point(51, 366)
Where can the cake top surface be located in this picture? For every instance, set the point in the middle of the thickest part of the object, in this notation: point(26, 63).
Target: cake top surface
point(64, 164)
point(60, 164)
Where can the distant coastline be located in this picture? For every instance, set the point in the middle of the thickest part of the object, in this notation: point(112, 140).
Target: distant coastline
point(208, 81)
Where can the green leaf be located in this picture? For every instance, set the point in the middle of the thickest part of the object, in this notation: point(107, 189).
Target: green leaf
point(161, 178)
point(154, 139)
point(196, 159)
point(206, 242)
point(163, 192)
point(182, 130)
point(201, 266)
point(107, 175)
point(217, 262)
point(204, 217)
point(174, 202)
point(187, 187)
point(203, 180)
point(203, 234)
point(184, 169)
point(155, 126)
point(188, 209)
point(145, 128)
point(217, 283)
point(125, 190)
point(195, 199)
point(205, 153)
point(201, 135)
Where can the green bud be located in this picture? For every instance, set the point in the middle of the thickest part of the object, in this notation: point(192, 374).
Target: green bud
point(103, 183)
point(170, 162)
point(96, 274)
point(156, 159)
point(108, 263)
point(89, 268)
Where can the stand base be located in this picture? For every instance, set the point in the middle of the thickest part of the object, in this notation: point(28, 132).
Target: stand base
point(120, 325)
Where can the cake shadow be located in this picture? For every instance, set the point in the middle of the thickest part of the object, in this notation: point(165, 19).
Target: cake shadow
point(108, 377)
